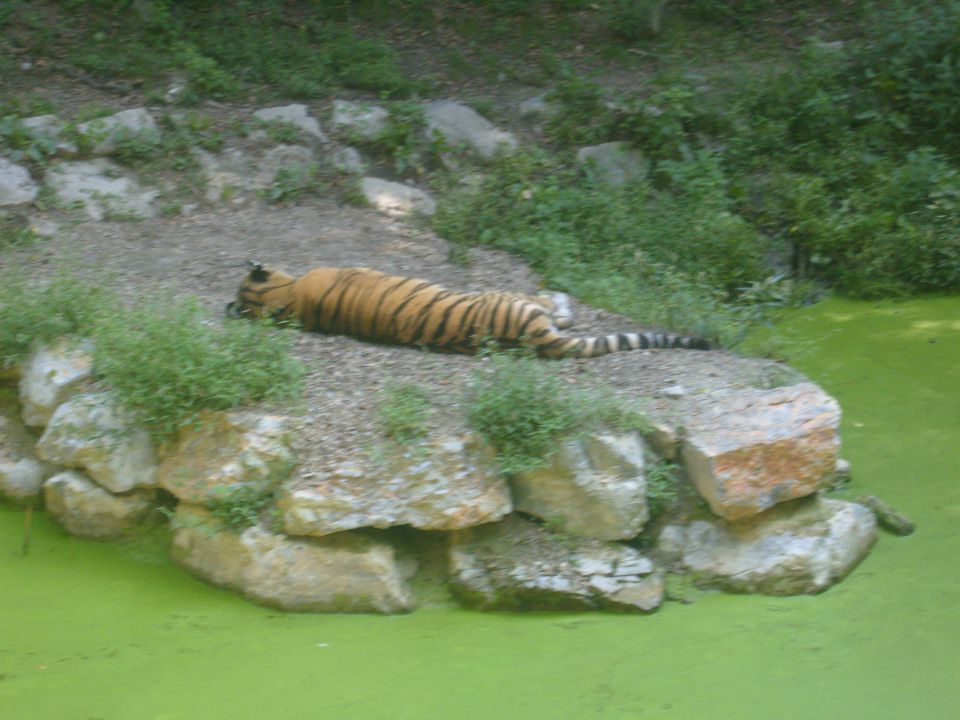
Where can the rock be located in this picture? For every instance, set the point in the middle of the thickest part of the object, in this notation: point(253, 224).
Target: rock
point(750, 451)
point(349, 160)
point(593, 487)
point(359, 120)
point(102, 189)
point(106, 131)
point(614, 163)
point(458, 123)
point(50, 126)
point(21, 480)
point(90, 432)
point(16, 185)
point(51, 376)
point(236, 170)
point(888, 517)
point(85, 509)
point(454, 484)
point(294, 115)
point(674, 392)
point(396, 198)
point(344, 573)
point(538, 105)
point(225, 451)
point(517, 565)
point(801, 547)
point(664, 440)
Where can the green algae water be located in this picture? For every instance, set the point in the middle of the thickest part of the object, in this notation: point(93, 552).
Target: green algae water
point(92, 631)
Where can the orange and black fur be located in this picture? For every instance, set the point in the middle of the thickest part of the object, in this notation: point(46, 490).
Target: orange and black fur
point(372, 305)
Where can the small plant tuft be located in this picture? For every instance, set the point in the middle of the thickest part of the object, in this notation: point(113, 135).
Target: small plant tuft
point(403, 412)
point(238, 507)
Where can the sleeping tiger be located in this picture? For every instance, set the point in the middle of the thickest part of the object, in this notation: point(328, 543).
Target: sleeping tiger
point(372, 305)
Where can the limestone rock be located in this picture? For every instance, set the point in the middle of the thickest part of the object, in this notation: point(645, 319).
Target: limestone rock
point(224, 451)
point(90, 432)
point(359, 120)
point(235, 170)
point(21, 480)
point(21, 473)
point(593, 486)
point(517, 565)
point(614, 163)
point(294, 115)
point(50, 126)
point(801, 547)
point(51, 376)
point(455, 484)
point(664, 439)
point(344, 573)
point(16, 185)
point(349, 160)
point(101, 188)
point(85, 509)
point(106, 131)
point(396, 198)
point(748, 452)
point(458, 124)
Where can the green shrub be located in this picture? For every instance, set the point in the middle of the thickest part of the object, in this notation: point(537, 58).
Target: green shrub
point(168, 362)
point(238, 507)
point(403, 412)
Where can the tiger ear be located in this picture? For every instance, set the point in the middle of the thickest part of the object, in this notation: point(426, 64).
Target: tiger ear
point(257, 273)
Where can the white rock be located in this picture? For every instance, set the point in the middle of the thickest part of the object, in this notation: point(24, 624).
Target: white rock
point(349, 160)
point(344, 573)
point(102, 188)
point(614, 163)
point(105, 131)
point(295, 115)
point(802, 547)
point(89, 432)
point(458, 124)
point(51, 126)
point(356, 119)
point(51, 376)
point(21, 480)
point(85, 509)
point(396, 198)
point(16, 185)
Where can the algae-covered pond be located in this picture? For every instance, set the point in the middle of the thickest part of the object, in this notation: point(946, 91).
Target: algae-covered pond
point(113, 632)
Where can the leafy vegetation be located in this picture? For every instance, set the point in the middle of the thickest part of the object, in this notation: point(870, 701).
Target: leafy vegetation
point(520, 408)
point(403, 412)
point(238, 507)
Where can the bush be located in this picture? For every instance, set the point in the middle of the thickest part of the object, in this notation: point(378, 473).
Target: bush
point(166, 365)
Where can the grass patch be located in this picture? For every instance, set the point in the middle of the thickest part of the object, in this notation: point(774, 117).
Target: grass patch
point(403, 412)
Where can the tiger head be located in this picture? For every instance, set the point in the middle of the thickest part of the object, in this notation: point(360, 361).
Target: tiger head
point(263, 293)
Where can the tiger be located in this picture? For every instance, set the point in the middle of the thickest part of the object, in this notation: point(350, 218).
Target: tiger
point(371, 305)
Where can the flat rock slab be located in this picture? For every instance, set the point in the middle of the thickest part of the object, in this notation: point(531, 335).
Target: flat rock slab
point(517, 565)
point(85, 509)
point(450, 484)
point(802, 547)
point(592, 486)
point(750, 451)
point(345, 573)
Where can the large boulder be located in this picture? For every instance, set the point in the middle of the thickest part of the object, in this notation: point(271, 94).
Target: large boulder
point(517, 565)
point(459, 124)
point(90, 432)
point(593, 486)
point(102, 188)
point(395, 198)
point(16, 185)
point(85, 509)
point(226, 451)
point(801, 547)
point(450, 484)
point(750, 451)
point(51, 376)
point(343, 573)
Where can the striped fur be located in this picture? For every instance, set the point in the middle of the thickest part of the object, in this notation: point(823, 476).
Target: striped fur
point(371, 305)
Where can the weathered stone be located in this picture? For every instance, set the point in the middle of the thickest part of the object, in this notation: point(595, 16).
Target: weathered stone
point(16, 185)
point(359, 120)
point(453, 485)
point(614, 163)
point(538, 105)
point(800, 547)
point(396, 198)
point(294, 115)
point(50, 126)
point(106, 131)
point(748, 452)
point(225, 451)
point(343, 573)
point(90, 432)
point(664, 440)
point(101, 188)
point(236, 170)
point(21, 480)
point(349, 160)
point(51, 376)
point(593, 486)
point(459, 124)
point(517, 565)
point(84, 508)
